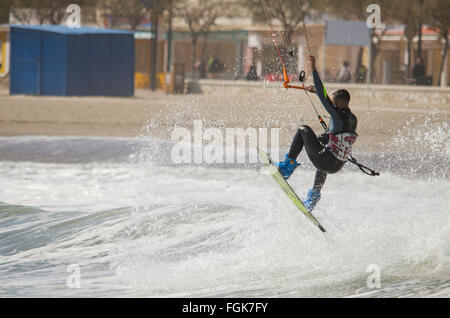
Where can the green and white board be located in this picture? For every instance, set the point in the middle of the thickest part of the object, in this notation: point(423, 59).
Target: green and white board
point(267, 161)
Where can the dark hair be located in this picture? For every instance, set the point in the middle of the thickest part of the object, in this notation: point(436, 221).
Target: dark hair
point(343, 95)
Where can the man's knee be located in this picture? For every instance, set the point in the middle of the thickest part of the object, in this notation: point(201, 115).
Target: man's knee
point(305, 130)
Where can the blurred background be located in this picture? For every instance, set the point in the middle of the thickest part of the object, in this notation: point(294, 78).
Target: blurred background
point(176, 40)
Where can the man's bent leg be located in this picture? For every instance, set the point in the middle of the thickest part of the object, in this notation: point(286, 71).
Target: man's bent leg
point(314, 194)
point(296, 145)
point(311, 142)
point(304, 136)
point(289, 164)
point(319, 180)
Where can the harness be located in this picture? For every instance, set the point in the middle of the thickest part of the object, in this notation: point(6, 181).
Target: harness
point(340, 144)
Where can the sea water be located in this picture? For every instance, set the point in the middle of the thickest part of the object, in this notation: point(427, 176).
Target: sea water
point(99, 217)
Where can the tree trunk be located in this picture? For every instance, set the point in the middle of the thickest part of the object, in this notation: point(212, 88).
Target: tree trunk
point(408, 55)
point(419, 42)
point(358, 76)
point(444, 55)
point(154, 50)
point(360, 55)
point(202, 66)
point(193, 58)
point(169, 38)
point(193, 87)
point(410, 32)
point(373, 57)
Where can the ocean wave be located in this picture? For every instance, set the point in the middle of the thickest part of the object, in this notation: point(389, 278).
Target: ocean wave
point(141, 227)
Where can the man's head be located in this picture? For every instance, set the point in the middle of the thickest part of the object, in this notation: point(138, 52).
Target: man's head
point(341, 98)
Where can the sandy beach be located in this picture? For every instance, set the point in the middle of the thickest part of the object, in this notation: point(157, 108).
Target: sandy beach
point(383, 112)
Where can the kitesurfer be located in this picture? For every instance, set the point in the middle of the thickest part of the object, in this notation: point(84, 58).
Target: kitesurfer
point(329, 151)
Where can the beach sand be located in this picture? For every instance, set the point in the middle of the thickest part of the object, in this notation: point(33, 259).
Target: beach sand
point(382, 116)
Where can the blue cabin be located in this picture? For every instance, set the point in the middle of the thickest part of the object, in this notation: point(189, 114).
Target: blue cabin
point(61, 61)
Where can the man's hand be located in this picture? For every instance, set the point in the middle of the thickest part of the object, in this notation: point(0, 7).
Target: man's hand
point(312, 60)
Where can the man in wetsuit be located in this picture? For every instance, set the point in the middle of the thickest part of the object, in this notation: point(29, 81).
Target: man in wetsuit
point(329, 151)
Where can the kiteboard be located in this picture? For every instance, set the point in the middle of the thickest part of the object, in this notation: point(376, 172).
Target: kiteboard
point(284, 185)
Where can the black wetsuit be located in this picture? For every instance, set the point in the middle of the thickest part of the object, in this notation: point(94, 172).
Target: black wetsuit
point(319, 154)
